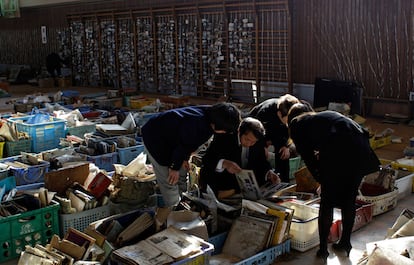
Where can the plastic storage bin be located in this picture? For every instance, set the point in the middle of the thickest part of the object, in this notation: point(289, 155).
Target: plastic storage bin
point(29, 228)
point(81, 130)
point(377, 143)
point(265, 257)
point(294, 164)
point(44, 136)
point(4, 173)
point(404, 185)
point(304, 226)
point(128, 154)
point(406, 164)
point(138, 103)
point(1, 149)
point(29, 174)
point(81, 220)
point(363, 216)
point(104, 161)
point(14, 148)
point(202, 258)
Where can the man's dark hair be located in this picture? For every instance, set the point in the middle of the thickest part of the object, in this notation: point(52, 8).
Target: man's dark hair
point(298, 109)
point(253, 125)
point(285, 102)
point(225, 116)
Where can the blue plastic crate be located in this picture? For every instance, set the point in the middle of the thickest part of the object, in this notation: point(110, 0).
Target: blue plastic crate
point(80, 131)
point(29, 174)
point(104, 161)
point(202, 258)
point(266, 257)
point(128, 154)
point(45, 135)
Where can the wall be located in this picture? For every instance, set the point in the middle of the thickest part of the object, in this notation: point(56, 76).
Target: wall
point(368, 41)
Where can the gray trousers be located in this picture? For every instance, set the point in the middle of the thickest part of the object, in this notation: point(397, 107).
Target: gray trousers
point(171, 194)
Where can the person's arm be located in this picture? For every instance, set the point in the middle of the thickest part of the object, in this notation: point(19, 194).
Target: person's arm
point(259, 163)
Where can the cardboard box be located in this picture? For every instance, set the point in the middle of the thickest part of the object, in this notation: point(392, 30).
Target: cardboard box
point(4, 86)
point(46, 82)
point(61, 179)
point(65, 82)
point(175, 100)
point(363, 216)
point(382, 203)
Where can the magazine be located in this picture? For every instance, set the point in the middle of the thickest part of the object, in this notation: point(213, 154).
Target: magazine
point(251, 190)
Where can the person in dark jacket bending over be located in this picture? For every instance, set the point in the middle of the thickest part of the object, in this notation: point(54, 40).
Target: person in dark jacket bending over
point(273, 114)
point(337, 152)
point(227, 154)
point(170, 137)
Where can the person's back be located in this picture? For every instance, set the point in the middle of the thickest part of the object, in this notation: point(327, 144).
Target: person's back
point(273, 114)
point(54, 64)
point(187, 127)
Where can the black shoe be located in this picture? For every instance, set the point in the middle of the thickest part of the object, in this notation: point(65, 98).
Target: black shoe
point(322, 253)
point(342, 247)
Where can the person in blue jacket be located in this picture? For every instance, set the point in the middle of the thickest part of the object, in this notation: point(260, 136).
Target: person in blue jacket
point(170, 138)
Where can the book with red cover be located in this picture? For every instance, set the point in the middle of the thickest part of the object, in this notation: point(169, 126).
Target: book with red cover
point(99, 184)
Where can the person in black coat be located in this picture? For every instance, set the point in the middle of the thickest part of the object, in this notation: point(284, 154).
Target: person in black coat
point(337, 152)
point(273, 114)
point(170, 138)
point(54, 64)
point(227, 154)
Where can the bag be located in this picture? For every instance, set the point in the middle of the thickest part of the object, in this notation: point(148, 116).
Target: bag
point(38, 117)
point(8, 131)
point(380, 182)
point(131, 191)
point(381, 255)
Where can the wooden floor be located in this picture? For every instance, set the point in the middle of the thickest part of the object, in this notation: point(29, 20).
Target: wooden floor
point(374, 231)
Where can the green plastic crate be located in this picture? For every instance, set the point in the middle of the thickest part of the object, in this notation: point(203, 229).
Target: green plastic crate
point(294, 165)
point(80, 131)
point(29, 228)
point(14, 148)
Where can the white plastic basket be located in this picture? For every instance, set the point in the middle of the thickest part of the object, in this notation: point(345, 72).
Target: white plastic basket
point(81, 220)
point(304, 226)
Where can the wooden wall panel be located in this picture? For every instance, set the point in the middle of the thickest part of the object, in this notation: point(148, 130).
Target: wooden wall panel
point(367, 41)
point(364, 41)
